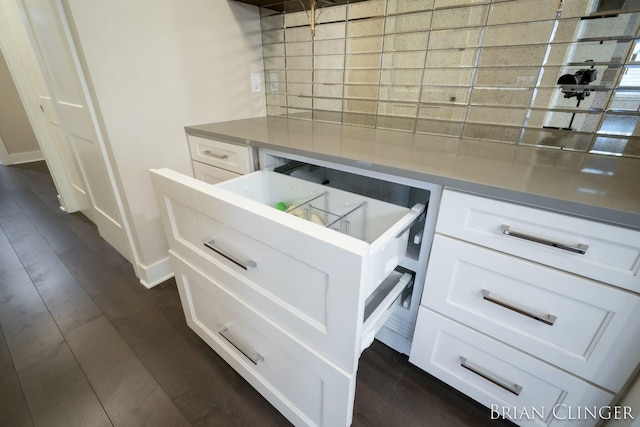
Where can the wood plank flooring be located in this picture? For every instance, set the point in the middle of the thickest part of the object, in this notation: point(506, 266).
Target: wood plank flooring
point(82, 343)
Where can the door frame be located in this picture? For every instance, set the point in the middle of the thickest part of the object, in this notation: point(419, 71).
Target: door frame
point(16, 41)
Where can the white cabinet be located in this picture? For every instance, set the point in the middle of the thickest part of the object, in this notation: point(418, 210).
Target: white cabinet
point(293, 270)
point(302, 291)
point(574, 323)
point(513, 286)
point(502, 378)
point(587, 248)
point(216, 161)
point(211, 174)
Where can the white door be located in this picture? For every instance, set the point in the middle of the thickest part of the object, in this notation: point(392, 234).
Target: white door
point(21, 60)
point(69, 99)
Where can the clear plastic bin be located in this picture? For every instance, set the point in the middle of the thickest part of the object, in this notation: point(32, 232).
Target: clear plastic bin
point(349, 219)
point(358, 216)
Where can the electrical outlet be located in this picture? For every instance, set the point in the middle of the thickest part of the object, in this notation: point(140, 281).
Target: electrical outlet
point(255, 82)
point(273, 78)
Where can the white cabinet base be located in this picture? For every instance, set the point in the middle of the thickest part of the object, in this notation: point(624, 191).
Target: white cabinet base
point(574, 323)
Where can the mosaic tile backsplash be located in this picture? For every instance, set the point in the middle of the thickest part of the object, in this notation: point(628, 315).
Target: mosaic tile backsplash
point(472, 68)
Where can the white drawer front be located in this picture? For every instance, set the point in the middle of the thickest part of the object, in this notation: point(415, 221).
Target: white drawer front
point(501, 378)
point(310, 280)
point(303, 386)
point(232, 157)
point(211, 174)
point(612, 255)
point(579, 325)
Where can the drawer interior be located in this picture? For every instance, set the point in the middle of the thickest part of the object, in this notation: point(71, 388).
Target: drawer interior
point(374, 188)
point(358, 216)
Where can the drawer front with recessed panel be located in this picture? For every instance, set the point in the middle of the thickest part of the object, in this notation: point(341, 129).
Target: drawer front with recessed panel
point(232, 157)
point(292, 270)
point(599, 251)
point(210, 174)
point(572, 322)
point(312, 392)
point(509, 382)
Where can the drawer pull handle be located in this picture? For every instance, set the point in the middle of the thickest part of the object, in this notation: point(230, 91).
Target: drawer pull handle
point(510, 387)
point(242, 264)
point(215, 155)
point(580, 248)
point(242, 347)
point(548, 319)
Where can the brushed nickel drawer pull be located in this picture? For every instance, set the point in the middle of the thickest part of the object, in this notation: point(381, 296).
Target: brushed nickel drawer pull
point(242, 264)
point(215, 155)
point(548, 319)
point(510, 387)
point(580, 248)
point(241, 346)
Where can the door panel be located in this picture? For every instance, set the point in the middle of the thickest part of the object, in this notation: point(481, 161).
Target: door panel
point(80, 195)
point(51, 37)
point(94, 172)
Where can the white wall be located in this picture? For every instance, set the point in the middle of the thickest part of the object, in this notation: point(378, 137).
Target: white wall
point(15, 130)
point(154, 67)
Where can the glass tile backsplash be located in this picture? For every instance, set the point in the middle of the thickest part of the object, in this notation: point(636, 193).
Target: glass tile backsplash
point(548, 73)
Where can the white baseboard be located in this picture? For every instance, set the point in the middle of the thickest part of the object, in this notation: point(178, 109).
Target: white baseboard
point(156, 273)
point(26, 157)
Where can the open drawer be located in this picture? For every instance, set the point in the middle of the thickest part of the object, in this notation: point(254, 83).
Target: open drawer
point(311, 279)
point(381, 229)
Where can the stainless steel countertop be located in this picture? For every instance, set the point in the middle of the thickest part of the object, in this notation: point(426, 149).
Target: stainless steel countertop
point(604, 188)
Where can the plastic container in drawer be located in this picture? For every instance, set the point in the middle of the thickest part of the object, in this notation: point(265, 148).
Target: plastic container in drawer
point(577, 324)
point(232, 157)
point(511, 383)
point(596, 250)
point(313, 392)
point(357, 216)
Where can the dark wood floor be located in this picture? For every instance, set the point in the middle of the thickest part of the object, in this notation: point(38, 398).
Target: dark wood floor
point(82, 343)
